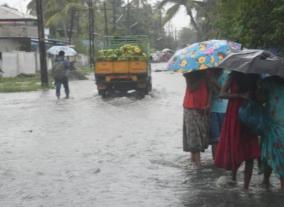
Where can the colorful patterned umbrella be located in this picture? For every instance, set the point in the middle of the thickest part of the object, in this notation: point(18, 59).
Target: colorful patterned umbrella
point(202, 55)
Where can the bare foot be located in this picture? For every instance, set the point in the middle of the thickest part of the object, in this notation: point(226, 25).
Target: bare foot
point(197, 166)
point(266, 185)
point(245, 189)
point(232, 183)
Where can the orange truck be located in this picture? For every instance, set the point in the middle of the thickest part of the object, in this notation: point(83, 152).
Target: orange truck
point(132, 72)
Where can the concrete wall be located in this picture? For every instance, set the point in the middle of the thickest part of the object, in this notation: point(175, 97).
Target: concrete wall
point(82, 60)
point(15, 63)
point(37, 60)
point(9, 65)
point(18, 31)
point(18, 62)
point(15, 44)
point(7, 45)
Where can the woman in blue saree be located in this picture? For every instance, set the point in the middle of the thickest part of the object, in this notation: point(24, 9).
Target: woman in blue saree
point(272, 139)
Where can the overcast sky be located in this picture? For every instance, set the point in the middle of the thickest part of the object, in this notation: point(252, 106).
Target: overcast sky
point(181, 20)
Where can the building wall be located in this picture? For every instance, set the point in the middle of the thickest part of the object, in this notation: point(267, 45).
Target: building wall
point(18, 31)
point(15, 63)
point(15, 44)
point(82, 60)
point(19, 62)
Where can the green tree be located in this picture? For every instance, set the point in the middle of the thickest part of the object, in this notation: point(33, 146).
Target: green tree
point(254, 23)
point(60, 15)
point(205, 18)
point(64, 16)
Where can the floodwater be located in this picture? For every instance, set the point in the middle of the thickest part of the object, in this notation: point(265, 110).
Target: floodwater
point(117, 152)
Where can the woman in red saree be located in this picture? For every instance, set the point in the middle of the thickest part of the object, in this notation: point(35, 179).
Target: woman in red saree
point(237, 144)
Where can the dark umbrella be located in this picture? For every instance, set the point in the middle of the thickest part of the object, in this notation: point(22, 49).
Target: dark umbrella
point(254, 61)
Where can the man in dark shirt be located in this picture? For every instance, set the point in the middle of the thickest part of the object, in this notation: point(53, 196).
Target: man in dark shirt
point(60, 73)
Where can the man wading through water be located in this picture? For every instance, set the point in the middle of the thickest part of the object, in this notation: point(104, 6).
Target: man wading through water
point(60, 72)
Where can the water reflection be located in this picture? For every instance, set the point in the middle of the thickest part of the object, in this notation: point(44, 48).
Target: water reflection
point(122, 151)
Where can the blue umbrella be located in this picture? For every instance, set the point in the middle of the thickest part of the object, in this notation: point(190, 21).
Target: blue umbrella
point(202, 55)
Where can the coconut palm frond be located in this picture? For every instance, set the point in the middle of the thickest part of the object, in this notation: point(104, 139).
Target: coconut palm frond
point(31, 6)
point(73, 6)
point(55, 19)
point(171, 12)
point(201, 3)
point(164, 3)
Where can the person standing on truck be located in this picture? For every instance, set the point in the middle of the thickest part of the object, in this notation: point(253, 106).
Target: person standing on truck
point(60, 72)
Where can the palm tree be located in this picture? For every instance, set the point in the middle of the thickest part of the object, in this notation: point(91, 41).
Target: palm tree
point(66, 9)
point(189, 6)
point(58, 13)
point(139, 3)
point(206, 11)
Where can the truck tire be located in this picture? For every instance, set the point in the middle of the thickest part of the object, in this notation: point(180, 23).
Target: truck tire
point(149, 87)
point(102, 93)
point(141, 93)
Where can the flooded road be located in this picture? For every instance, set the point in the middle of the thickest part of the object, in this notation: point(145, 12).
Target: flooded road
point(115, 152)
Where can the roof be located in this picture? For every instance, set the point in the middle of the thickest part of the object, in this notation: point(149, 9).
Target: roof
point(7, 13)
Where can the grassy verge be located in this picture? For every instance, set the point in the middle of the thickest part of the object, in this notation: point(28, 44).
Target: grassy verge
point(25, 83)
point(21, 83)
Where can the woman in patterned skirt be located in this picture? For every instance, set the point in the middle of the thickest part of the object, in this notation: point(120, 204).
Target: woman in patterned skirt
point(195, 125)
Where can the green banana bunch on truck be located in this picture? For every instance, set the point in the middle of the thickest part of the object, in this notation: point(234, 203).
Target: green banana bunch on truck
point(124, 64)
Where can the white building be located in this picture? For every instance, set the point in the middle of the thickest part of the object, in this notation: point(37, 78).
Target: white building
point(16, 31)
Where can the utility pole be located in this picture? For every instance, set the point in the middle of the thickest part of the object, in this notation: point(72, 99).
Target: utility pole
point(91, 33)
point(160, 21)
point(113, 17)
point(72, 21)
point(41, 40)
point(128, 17)
point(105, 14)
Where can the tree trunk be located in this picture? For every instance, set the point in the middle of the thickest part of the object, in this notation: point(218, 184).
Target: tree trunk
point(41, 40)
point(194, 24)
point(113, 17)
point(65, 31)
point(105, 17)
point(72, 18)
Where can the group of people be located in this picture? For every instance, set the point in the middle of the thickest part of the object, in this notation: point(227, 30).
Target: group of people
point(212, 104)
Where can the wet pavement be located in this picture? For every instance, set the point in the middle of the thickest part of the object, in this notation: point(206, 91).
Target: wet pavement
point(118, 152)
